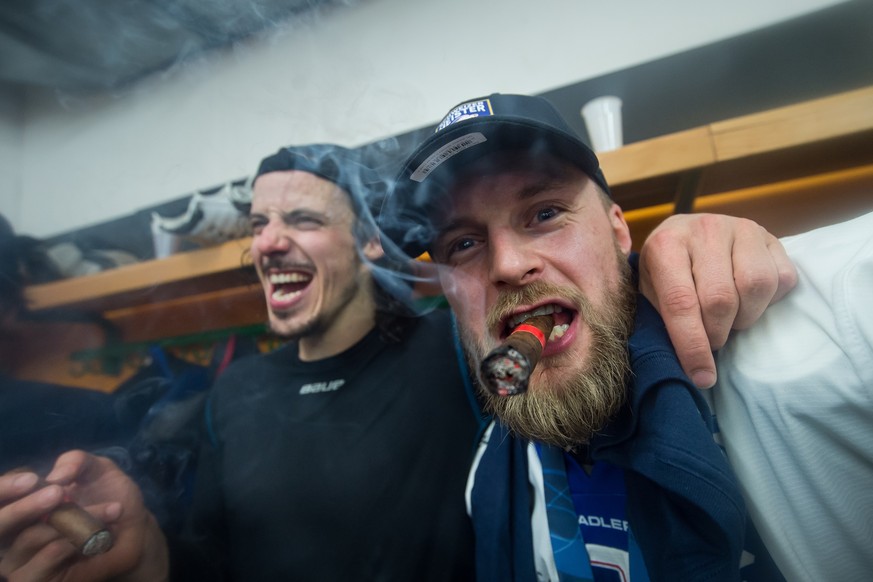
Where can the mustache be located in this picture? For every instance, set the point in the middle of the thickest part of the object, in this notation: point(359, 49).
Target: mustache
point(276, 262)
point(509, 300)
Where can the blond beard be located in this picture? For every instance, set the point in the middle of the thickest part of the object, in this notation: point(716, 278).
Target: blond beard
point(567, 411)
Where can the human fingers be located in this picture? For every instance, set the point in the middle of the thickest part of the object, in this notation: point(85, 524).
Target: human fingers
point(38, 553)
point(714, 253)
point(41, 553)
point(756, 274)
point(106, 492)
point(138, 544)
point(784, 266)
point(764, 274)
point(667, 280)
point(24, 511)
point(92, 479)
point(70, 466)
point(15, 484)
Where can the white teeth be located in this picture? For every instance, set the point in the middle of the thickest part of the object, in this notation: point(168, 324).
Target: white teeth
point(558, 331)
point(544, 310)
point(279, 295)
point(280, 278)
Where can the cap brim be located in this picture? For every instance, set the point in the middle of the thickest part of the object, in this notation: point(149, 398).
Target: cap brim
point(433, 166)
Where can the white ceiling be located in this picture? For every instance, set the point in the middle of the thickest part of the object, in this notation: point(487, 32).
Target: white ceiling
point(94, 45)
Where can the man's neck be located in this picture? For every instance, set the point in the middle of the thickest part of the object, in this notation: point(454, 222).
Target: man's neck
point(310, 349)
point(343, 332)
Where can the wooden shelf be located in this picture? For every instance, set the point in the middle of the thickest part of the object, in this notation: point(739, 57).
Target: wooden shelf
point(776, 151)
point(792, 126)
point(188, 293)
point(790, 142)
point(195, 272)
point(669, 154)
point(784, 208)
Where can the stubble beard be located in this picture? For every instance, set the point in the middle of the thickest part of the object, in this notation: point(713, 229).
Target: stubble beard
point(566, 404)
point(320, 322)
point(307, 328)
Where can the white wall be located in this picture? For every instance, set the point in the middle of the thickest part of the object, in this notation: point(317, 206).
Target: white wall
point(11, 145)
point(371, 70)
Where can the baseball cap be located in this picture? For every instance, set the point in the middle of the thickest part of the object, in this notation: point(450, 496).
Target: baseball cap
point(498, 122)
point(343, 166)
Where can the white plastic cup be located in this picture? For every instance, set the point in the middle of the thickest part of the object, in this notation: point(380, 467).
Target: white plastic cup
point(603, 119)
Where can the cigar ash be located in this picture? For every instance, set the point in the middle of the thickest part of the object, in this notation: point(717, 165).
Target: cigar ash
point(507, 369)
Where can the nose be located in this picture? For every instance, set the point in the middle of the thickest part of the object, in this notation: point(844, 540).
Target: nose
point(271, 239)
point(512, 261)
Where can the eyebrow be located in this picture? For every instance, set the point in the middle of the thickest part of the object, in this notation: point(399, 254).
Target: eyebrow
point(441, 230)
point(291, 214)
point(540, 186)
point(527, 192)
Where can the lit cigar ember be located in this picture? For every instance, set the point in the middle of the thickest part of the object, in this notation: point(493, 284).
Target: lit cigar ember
point(507, 369)
point(87, 533)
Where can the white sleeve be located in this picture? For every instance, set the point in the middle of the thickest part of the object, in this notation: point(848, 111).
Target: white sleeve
point(794, 403)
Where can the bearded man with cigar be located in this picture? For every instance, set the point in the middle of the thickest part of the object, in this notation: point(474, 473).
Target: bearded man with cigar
point(344, 454)
point(601, 465)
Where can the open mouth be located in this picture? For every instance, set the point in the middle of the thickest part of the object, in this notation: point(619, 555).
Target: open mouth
point(563, 318)
point(285, 286)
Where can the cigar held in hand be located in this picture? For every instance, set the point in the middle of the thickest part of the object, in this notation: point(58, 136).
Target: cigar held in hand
point(87, 533)
point(84, 531)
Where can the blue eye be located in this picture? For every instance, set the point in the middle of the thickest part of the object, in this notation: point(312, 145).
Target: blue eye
point(462, 245)
point(445, 252)
point(546, 214)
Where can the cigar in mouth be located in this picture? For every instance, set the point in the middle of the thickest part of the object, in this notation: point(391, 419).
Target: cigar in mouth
point(507, 369)
point(83, 530)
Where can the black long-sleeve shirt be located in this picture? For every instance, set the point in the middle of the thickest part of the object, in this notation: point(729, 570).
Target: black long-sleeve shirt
point(348, 468)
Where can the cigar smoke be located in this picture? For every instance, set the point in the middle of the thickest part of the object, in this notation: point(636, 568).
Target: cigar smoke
point(507, 369)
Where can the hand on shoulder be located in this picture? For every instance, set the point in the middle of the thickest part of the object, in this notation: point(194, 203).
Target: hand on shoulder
point(707, 274)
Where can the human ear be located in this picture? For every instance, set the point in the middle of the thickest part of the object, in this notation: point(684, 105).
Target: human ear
point(620, 229)
point(373, 249)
